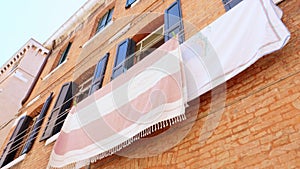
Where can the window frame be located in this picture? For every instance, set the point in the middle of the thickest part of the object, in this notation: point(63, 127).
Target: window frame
point(84, 88)
point(64, 55)
point(170, 28)
point(59, 112)
point(18, 135)
point(107, 18)
point(37, 124)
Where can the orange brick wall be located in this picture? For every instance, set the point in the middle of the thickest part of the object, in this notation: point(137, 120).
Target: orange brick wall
point(258, 128)
point(251, 121)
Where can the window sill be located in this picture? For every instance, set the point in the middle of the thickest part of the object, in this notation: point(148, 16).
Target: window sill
point(33, 100)
point(14, 162)
point(136, 2)
point(54, 70)
point(277, 1)
point(97, 34)
point(52, 139)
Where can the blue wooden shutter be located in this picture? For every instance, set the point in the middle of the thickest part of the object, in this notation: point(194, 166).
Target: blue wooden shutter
point(173, 22)
point(37, 125)
point(124, 60)
point(99, 74)
point(58, 115)
point(15, 141)
point(129, 3)
point(228, 4)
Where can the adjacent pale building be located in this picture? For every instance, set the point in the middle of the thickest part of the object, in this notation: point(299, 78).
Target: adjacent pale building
point(16, 77)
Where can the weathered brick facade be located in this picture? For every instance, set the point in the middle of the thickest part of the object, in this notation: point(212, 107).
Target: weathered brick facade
point(252, 121)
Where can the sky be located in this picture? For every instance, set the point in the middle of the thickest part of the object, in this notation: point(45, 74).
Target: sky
point(37, 19)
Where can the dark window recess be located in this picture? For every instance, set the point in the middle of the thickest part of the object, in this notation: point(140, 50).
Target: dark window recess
point(59, 111)
point(105, 20)
point(173, 22)
point(228, 4)
point(36, 128)
point(123, 57)
point(15, 141)
point(63, 56)
point(99, 74)
point(129, 3)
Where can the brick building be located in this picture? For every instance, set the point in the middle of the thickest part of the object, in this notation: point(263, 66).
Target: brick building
point(251, 121)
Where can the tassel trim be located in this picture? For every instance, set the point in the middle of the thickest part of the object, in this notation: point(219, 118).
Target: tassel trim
point(144, 133)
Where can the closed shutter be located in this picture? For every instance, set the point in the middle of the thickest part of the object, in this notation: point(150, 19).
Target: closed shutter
point(15, 141)
point(59, 113)
point(173, 22)
point(123, 60)
point(99, 74)
point(228, 4)
point(37, 125)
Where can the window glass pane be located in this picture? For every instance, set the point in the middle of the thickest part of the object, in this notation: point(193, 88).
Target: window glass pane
point(129, 3)
point(62, 95)
point(104, 19)
point(98, 70)
point(173, 15)
point(102, 22)
point(64, 54)
point(110, 15)
point(117, 71)
point(173, 24)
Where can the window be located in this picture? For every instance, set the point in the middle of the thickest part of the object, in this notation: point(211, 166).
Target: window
point(84, 90)
point(59, 111)
point(13, 147)
point(36, 127)
point(129, 3)
point(105, 20)
point(228, 4)
point(173, 22)
point(123, 60)
point(63, 56)
point(99, 74)
point(149, 43)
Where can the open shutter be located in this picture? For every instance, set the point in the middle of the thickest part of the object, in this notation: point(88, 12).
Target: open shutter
point(15, 141)
point(228, 4)
point(123, 60)
point(59, 113)
point(173, 22)
point(37, 125)
point(99, 74)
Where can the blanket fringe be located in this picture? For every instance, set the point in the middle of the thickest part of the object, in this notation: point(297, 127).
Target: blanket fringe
point(144, 133)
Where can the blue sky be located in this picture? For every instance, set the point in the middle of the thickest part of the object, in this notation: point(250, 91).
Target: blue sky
point(25, 19)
